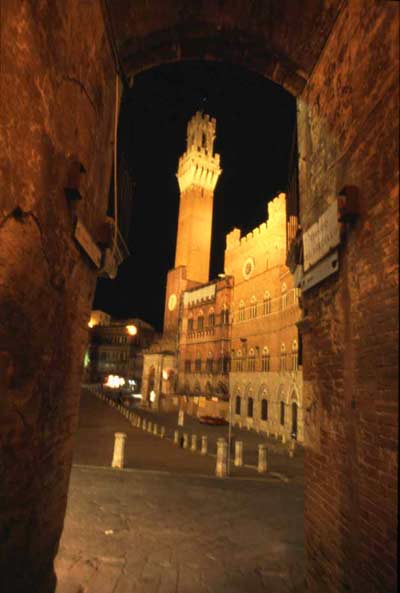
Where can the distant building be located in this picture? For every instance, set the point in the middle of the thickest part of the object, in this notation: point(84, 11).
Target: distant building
point(116, 347)
point(233, 339)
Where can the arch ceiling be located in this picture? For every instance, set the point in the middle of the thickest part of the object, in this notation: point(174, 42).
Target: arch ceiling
point(280, 39)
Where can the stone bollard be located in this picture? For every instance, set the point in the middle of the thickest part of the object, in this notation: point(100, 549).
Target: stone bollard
point(176, 437)
point(194, 443)
point(119, 450)
point(144, 424)
point(139, 422)
point(162, 432)
point(238, 453)
point(149, 426)
point(262, 459)
point(204, 444)
point(155, 429)
point(292, 447)
point(222, 456)
point(185, 440)
point(283, 438)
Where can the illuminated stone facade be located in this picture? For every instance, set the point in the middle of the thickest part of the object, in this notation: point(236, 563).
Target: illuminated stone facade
point(265, 381)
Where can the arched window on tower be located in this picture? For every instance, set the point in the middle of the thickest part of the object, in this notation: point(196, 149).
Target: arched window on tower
point(225, 315)
point(197, 363)
point(264, 409)
point(209, 363)
point(250, 407)
point(267, 303)
point(238, 402)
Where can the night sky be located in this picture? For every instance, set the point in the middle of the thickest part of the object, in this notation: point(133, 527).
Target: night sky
point(254, 135)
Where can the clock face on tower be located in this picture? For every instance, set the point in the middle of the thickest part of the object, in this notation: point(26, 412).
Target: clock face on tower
point(248, 268)
point(172, 302)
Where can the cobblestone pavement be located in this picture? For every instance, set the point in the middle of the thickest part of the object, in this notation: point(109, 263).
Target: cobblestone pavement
point(178, 530)
point(148, 532)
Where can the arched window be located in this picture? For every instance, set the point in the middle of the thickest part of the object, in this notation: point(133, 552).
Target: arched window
point(284, 297)
point(265, 360)
point(211, 318)
point(282, 413)
point(238, 402)
point(209, 363)
point(282, 358)
point(197, 364)
point(190, 324)
point(241, 311)
point(250, 407)
point(264, 409)
point(253, 307)
point(295, 356)
point(188, 366)
point(200, 322)
point(267, 303)
point(251, 361)
point(225, 315)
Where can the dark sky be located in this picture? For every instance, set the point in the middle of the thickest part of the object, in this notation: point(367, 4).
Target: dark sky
point(255, 121)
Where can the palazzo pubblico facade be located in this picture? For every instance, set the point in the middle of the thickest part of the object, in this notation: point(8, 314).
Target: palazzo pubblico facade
point(230, 345)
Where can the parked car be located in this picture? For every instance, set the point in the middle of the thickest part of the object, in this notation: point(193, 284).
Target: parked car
point(213, 420)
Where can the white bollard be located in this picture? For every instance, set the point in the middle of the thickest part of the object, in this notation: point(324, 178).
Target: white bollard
point(149, 426)
point(162, 432)
point(283, 438)
point(204, 444)
point(185, 440)
point(181, 417)
point(119, 450)
point(176, 437)
point(144, 424)
point(238, 453)
point(194, 443)
point(222, 456)
point(262, 459)
point(155, 429)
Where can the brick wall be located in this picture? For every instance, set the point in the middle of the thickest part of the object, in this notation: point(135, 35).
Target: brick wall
point(57, 95)
point(348, 135)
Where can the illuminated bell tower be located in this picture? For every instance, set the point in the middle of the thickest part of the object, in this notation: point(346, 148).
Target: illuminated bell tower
point(198, 173)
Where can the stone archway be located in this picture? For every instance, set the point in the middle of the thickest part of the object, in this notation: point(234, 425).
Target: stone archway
point(340, 60)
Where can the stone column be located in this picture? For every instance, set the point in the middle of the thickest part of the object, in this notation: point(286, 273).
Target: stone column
point(155, 429)
point(144, 424)
point(194, 443)
point(162, 432)
point(185, 440)
point(176, 437)
point(204, 445)
point(222, 454)
point(119, 450)
point(238, 453)
point(283, 438)
point(149, 426)
point(262, 459)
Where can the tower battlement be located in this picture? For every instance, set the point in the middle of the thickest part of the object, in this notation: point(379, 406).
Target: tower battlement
point(198, 165)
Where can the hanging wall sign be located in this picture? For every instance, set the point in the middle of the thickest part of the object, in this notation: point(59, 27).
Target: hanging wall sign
point(321, 237)
point(84, 238)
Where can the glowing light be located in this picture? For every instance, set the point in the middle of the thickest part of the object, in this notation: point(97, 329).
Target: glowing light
point(91, 323)
point(114, 381)
point(132, 330)
point(165, 375)
point(152, 396)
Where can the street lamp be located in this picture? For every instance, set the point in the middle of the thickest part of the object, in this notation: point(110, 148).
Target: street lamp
point(132, 330)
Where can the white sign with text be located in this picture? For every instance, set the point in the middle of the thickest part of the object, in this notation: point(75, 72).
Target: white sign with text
point(321, 237)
